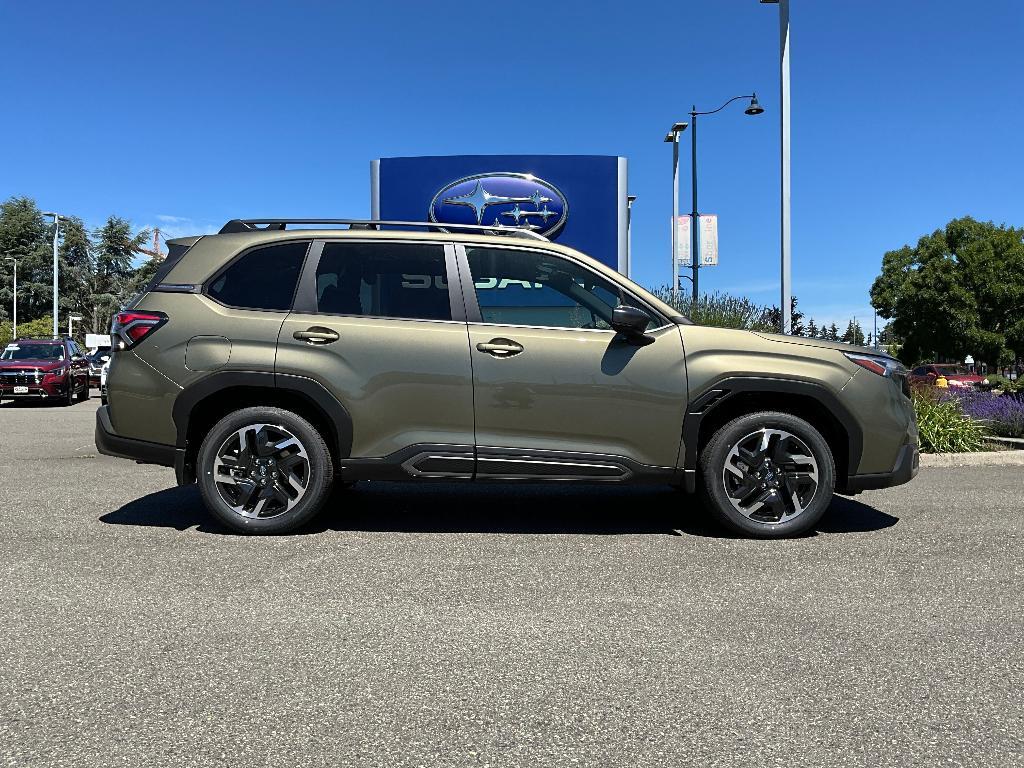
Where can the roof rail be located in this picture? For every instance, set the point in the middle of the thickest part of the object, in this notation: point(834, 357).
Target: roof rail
point(251, 225)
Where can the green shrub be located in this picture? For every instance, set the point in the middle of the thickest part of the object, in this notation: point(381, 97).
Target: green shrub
point(998, 381)
point(942, 425)
point(720, 310)
point(39, 329)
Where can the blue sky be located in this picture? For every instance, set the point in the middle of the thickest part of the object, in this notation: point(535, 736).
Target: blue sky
point(186, 114)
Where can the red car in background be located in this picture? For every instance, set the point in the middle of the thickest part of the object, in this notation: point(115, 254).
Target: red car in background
point(955, 375)
point(41, 369)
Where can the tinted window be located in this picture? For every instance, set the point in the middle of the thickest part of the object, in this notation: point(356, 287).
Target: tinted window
point(16, 351)
point(403, 280)
point(262, 279)
point(532, 288)
point(919, 371)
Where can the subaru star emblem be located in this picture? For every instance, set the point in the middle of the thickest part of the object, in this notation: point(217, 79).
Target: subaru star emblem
point(502, 200)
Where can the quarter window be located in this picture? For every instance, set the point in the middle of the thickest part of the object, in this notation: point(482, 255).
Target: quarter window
point(400, 280)
point(264, 278)
point(532, 288)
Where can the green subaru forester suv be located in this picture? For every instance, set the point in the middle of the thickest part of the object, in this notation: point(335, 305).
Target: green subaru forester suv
point(267, 363)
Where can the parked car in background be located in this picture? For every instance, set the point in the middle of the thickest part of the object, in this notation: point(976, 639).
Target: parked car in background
point(103, 381)
point(41, 369)
point(97, 360)
point(955, 375)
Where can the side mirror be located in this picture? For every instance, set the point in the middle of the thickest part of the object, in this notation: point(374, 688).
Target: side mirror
point(629, 321)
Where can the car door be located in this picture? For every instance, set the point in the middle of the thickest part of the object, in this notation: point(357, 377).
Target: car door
point(78, 375)
point(376, 322)
point(557, 392)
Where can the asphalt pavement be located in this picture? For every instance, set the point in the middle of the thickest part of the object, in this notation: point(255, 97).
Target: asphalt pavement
point(452, 625)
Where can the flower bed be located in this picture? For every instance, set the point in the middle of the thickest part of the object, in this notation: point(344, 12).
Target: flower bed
point(1003, 415)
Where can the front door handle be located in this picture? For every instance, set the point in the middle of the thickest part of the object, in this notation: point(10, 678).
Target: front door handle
point(316, 335)
point(500, 347)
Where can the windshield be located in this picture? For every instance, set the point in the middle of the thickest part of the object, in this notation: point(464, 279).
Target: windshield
point(33, 352)
point(949, 370)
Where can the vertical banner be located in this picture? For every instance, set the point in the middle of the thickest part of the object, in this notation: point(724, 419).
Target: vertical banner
point(683, 256)
point(709, 240)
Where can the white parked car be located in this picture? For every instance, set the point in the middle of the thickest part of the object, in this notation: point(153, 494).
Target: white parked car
point(103, 381)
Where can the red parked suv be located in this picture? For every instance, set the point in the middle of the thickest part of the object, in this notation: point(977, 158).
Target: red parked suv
point(955, 375)
point(41, 369)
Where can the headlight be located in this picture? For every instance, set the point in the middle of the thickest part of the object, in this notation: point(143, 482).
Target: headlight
point(880, 364)
point(53, 376)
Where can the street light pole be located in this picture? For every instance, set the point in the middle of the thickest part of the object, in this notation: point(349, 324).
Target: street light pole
point(786, 245)
point(753, 109)
point(673, 137)
point(56, 232)
point(694, 239)
point(786, 277)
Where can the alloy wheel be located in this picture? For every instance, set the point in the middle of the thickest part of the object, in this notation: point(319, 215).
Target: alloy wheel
point(770, 476)
point(261, 471)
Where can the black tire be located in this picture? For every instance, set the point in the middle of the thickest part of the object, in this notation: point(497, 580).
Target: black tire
point(313, 465)
point(771, 492)
point(103, 399)
point(85, 394)
point(69, 396)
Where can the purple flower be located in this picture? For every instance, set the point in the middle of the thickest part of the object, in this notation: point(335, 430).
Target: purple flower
point(1003, 413)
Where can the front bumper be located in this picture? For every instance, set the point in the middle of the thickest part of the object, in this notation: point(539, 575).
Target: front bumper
point(908, 463)
point(109, 443)
point(35, 391)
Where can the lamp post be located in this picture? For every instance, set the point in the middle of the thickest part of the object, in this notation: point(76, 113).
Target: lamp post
point(752, 109)
point(672, 137)
point(56, 231)
point(14, 334)
point(630, 199)
point(787, 244)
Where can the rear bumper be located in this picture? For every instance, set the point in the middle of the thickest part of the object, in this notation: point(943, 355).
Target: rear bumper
point(908, 462)
point(109, 443)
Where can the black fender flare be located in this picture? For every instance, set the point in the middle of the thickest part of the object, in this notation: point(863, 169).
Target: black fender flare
point(722, 390)
point(309, 389)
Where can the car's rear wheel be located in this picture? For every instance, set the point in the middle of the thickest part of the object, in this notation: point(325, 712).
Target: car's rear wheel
point(264, 470)
point(768, 475)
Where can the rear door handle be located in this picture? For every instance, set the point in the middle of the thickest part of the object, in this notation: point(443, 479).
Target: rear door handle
point(316, 335)
point(500, 347)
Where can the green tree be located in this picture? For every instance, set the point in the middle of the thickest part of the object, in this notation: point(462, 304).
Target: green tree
point(832, 334)
point(115, 251)
point(812, 329)
point(959, 291)
point(797, 317)
point(25, 236)
point(854, 334)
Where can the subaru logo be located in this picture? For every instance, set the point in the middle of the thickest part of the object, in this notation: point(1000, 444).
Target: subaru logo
point(500, 200)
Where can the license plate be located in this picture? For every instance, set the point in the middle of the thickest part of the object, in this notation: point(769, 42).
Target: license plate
point(21, 390)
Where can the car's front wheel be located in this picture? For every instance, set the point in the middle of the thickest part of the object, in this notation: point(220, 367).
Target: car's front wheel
point(768, 475)
point(264, 470)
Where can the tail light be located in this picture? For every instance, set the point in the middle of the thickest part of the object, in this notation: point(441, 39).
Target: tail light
point(132, 327)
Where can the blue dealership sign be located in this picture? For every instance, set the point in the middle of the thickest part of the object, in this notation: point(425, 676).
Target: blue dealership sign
point(576, 200)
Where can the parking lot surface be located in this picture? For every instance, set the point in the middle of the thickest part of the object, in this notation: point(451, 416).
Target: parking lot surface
point(499, 625)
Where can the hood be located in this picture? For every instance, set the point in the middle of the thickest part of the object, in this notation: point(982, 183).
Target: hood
point(803, 341)
point(42, 365)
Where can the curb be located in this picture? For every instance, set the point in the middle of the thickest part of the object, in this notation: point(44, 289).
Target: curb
point(982, 459)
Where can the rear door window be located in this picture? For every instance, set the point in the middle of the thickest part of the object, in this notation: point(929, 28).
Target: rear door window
point(386, 279)
point(263, 278)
